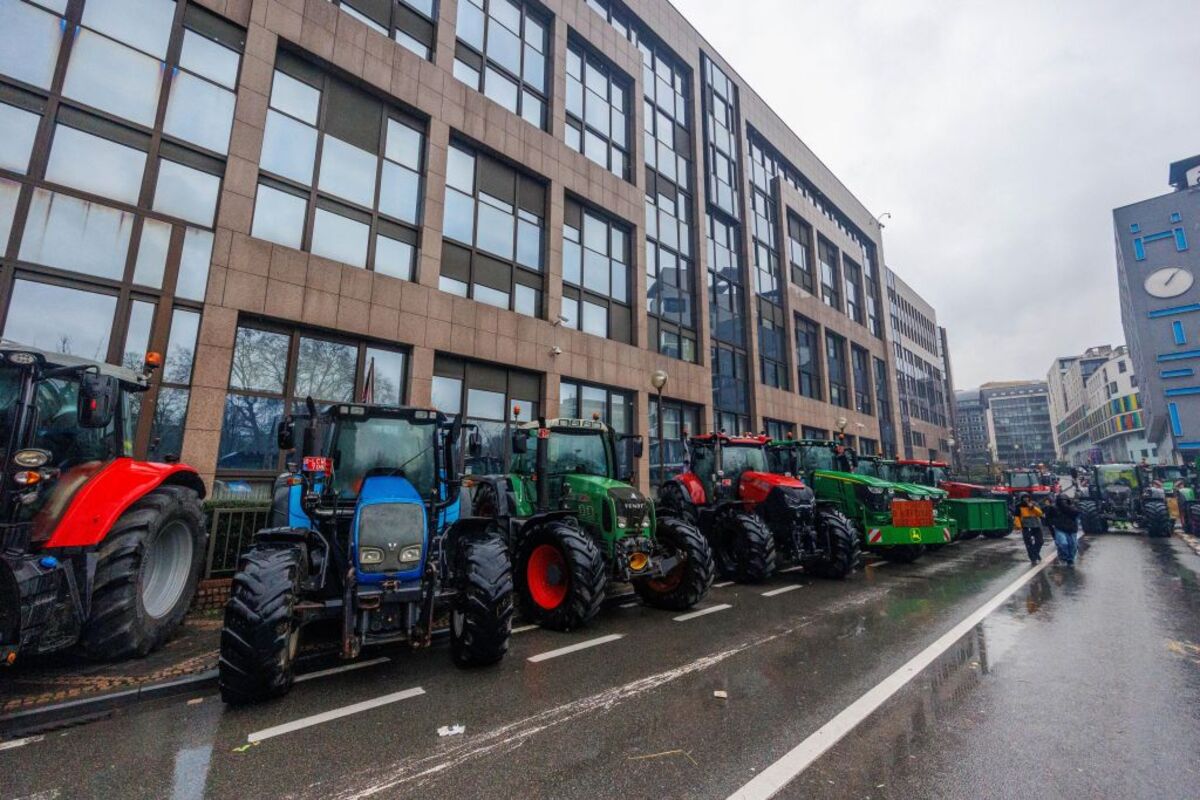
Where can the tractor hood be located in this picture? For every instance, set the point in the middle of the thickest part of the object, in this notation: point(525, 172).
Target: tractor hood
point(389, 530)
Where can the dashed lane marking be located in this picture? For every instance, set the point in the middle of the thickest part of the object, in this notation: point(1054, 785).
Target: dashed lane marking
point(722, 584)
point(574, 648)
point(321, 673)
point(786, 570)
point(20, 742)
point(702, 612)
point(526, 628)
point(771, 780)
point(629, 605)
point(782, 589)
point(337, 713)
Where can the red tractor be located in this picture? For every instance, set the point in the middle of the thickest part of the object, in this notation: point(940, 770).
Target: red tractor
point(937, 473)
point(1016, 482)
point(749, 513)
point(96, 549)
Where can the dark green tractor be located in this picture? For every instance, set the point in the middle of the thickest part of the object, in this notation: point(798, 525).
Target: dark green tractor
point(895, 521)
point(1124, 494)
point(1178, 483)
point(575, 525)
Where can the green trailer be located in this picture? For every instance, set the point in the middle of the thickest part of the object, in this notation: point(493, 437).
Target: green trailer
point(973, 515)
point(979, 516)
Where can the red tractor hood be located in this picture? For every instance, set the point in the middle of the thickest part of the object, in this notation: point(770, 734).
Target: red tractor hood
point(755, 486)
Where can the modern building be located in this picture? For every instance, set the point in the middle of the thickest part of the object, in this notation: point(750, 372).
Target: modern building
point(1018, 422)
point(1160, 307)
point(1095, 408)
point(974, 449)
point(922, 373)
point(470, 204)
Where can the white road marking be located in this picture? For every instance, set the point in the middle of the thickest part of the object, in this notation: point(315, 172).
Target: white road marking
point(321, 673)
point(337, 713)
point(574, 648)
point(505, 738)
point(768, 782)
point(722, 584)
point(702, 612)
point(20, 742)
point(782, 589)
point(796, 568)
point(525, 628)
point(630, 605)
point(880, 563)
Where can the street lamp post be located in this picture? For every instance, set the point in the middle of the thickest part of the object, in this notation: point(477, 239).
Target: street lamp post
point(658, 379)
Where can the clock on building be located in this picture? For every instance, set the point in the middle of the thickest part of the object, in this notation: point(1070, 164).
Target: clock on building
point(1168, 282)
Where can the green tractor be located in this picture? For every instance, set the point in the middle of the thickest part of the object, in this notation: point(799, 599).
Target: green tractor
point(574, 524)
point(896, 521)
point(1178, 483)
point(1123, 494)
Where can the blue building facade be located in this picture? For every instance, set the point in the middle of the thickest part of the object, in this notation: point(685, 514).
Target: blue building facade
point(1158, 262)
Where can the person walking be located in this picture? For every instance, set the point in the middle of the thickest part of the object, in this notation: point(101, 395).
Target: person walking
point(1029, 520)
point(1063, 519)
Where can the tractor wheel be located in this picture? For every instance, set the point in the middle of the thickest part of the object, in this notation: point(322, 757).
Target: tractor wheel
point(997, 534)
point(841, 542)
point(281, 503)
point(688, 582)
point(744, 548)
point(260, 636)
point(1091, 518)
point(1192, 518)
point(900, 553)
point(674, 502)
point(485, 502)
point(481, 618)
point(146, 575)
point(560, 576)
point(1156, 519)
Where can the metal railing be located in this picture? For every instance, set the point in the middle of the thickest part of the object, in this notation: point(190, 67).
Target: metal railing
point(231, 526)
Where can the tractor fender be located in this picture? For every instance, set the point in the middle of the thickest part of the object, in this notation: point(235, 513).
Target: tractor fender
point(468, 528)
point(692, 487)
point(96, 505)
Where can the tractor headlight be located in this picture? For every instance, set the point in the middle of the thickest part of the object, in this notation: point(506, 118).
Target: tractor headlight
point(370, 555)
point(410, 554)
point(622, 522)
point(646, 523)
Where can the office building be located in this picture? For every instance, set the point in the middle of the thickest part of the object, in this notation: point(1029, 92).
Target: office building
point(922, 373)
point(1018, 422)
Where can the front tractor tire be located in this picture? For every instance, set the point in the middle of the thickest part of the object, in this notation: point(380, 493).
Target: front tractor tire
point(260, 636)
point(744, 548)
point(686, 584)
point(1090, 518)
point(146, 574)
point(481, 618)
point(560, 576)
point(1156, 519)
point(837, 534)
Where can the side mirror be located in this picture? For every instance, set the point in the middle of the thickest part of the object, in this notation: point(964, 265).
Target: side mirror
point(520, 443)
point(474, 444)
point(639, 447)
point(97, 400)
point(285, 434)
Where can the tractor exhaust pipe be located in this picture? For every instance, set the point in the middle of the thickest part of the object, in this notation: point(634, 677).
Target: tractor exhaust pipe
point(542, 465)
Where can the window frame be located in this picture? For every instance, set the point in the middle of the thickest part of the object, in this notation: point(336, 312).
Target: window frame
point(614, 77)
point(835, 356)
point(478, 60)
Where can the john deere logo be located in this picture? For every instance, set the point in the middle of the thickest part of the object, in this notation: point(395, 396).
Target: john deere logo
point(915, 535)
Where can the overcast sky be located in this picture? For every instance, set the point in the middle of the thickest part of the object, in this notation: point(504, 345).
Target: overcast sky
point(1000, 135)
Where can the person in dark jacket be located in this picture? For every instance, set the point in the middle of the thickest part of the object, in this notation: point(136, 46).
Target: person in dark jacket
point(1063, 519)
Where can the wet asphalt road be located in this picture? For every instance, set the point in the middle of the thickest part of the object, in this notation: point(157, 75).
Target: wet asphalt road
point(1083, 684)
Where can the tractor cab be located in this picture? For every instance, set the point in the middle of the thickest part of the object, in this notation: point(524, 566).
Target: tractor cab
point(925, 473)
point(1017, 482)
point(1171, 477)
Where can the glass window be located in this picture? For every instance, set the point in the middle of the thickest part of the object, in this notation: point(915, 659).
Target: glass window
point(403, 145)
point(17, 130)
point(289, 148)
point(181, 348)
point(96, 165)
point(598, 118)
point(385, 379)
point(9, 192)
point(325, 370)
point(278, 217)
point(199, 112)
point(340, 238)
point(347, 171)
point(60, 320)
point(399, 192)
point(194, 262)
point(601, 282)
point(447, 394)
point(186, 192)
point(259, 360)
point(808, 365)
point(137, 335)
point(144, 24)
point(152, 253)
point(96, 62)
point(835, 352)
point(76, 235)
point(295, 97)
point(393, 257)
point(29, 42)
point(491, 58)
point(210, 59)
point(248, 433)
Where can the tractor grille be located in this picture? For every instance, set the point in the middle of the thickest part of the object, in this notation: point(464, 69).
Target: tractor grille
point(631, 505)
point(390, 528)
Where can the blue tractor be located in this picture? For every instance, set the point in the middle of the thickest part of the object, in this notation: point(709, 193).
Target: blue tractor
point(365, 534)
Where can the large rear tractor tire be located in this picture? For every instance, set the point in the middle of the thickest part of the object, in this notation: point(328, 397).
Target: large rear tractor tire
point(481, 618)
point(841, 542)
point(1156, 519)
point(686, 584)
point(1090, 517)
point(146, 575)
point(560, 576)
point(900, 553)
point(1191, 517)
point(743, 547)
point(260, 637)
